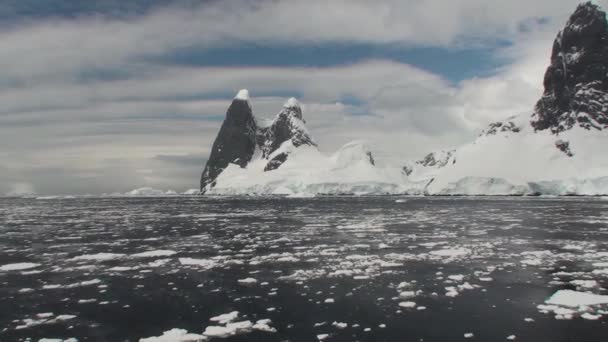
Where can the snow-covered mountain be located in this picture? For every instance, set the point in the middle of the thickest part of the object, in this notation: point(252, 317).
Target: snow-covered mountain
point(556, 149)
point(285, 159)
point(560, 148)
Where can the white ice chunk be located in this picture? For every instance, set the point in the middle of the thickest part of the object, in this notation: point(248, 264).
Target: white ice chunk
point(157, 253)
point(225, 318)
point(407, 305)
point(175, 335)
point(570, 298)
point(205, 263)
point(18, 266)
point(455, 252)
point(99, 256)
point(247, 281)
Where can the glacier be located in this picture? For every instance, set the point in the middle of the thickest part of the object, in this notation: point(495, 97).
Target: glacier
point(349, 171)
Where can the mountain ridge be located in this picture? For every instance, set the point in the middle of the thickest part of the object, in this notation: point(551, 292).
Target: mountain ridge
point(556, 149)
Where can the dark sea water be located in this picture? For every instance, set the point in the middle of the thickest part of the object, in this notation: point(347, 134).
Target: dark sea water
point(383, 268)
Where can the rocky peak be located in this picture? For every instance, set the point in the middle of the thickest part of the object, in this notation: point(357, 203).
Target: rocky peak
point(240, 135)
point(576, 82)
point(288, 125)
point(292, 107)
point(235, 143)
point(501, 127)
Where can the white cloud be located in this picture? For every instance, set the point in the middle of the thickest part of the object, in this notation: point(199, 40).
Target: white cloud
point(59, 48)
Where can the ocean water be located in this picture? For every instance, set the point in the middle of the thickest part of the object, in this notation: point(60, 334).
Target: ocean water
point(333, 269)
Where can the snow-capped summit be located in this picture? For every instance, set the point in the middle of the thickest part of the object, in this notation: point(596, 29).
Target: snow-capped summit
point(243, 94)
point(576, 82)
point(292, 103)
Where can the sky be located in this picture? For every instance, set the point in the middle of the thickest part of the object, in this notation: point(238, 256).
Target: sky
point(104, 96)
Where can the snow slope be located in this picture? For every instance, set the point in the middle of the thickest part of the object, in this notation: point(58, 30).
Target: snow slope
point(308, 171)
point(527, 162)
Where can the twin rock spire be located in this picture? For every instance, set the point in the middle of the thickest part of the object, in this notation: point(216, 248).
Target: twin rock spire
point(240, 137)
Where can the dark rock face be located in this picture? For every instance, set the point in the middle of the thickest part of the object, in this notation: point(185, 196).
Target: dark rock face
point(235, 143)
point(371, 158)
point(496, 127)
point(436, 159)
point(576, 82)
point(407, 170)
point(276, 162)
point(564, 146)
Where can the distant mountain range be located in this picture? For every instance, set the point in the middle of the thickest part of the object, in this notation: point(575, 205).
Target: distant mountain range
point(558, 149)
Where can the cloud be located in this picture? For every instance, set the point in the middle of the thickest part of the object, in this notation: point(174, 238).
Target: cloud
point(54, 48)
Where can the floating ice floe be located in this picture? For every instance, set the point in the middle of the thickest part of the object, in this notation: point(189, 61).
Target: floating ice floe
point(71, 286)
point(227, 328)
point(585, 284)
point(407, 294)
point(122, 269)
point(264, 325)
point(204, 263)
point(247, 281)
point(99, 257)
point(159, 262)
point(322, 337)
point(407, 305)
point(18, 266)
point(451, 291)
point(42, 320)
point(175, 335)
point(340, 325)
point(456, 277)
point(454, 252)
point(157, 253)
point(238, 328)
point(225, 318)
point(567, 304)
point(574, 299)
